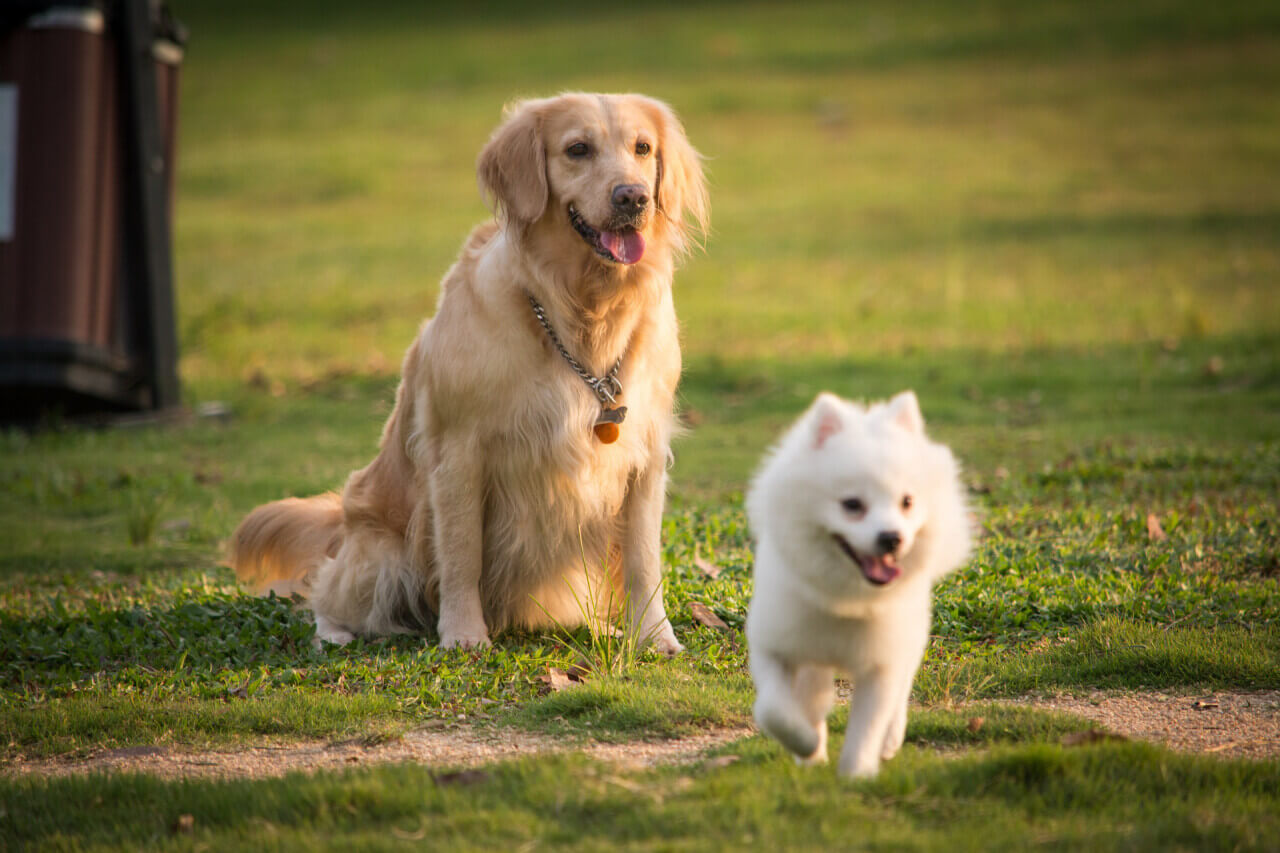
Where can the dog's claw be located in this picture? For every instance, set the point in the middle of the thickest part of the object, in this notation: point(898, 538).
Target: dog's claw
point(664, 640)
point(465, 641)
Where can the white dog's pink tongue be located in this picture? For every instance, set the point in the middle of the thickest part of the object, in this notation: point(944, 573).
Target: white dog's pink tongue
point(878, 570)
point(627, 247)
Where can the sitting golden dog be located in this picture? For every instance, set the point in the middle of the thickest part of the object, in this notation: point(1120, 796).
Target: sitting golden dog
point(525, 461)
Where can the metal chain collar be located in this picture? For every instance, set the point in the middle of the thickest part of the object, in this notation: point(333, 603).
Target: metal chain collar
point(607, 388)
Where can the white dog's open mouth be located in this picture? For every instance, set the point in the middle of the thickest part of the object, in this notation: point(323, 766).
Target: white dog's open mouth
point(879, 570)
point(624, 246)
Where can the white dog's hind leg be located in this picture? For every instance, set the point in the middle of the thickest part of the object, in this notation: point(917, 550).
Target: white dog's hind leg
point(815, 689)
point(875, 700)
point(777, 710)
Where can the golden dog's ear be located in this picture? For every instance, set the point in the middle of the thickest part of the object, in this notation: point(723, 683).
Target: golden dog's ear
point(512, 168)
point(681, 189)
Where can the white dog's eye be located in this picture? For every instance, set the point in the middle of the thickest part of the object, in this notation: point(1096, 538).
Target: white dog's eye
point(907, 502)
point(853, 505)
point(642, 149)
point(578, 150)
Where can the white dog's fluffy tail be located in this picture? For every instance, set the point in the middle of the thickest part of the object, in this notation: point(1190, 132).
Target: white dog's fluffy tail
point(278, 546)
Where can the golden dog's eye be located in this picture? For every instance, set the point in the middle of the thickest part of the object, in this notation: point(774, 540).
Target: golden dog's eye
point(578, 149)
point(642, 149)
point(853, 505)
point(906, 502)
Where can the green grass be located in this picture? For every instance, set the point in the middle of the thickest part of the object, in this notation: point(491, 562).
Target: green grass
point(1057, 222)
point(1110, 797)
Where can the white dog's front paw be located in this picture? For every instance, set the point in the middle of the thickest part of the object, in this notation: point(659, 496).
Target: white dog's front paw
point(329, 632)
point(791, 729)
point(819, 755)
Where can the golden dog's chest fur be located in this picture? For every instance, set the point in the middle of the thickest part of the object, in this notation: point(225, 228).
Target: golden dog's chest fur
point(491, 500)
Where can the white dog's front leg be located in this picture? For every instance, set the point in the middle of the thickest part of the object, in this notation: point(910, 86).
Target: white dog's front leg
point(641, 558)
point(458, 521)
point(872, 705)
point(815, 690)
point(779, 712)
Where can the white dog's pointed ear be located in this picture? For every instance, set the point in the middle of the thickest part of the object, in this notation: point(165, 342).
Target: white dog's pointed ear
point(826, 419)
point(904, 410)
point(512, 167)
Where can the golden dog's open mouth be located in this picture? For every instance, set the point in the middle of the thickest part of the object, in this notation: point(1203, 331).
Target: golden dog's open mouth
point(879, 570)
point(624, 245)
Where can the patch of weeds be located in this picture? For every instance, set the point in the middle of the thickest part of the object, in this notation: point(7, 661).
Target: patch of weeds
point(658, 698)
point(606, 651)
point(142, 515)
point(1112, 652)
point(988, 724)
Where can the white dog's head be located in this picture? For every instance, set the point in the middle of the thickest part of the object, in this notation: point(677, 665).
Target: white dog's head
point(860, 499)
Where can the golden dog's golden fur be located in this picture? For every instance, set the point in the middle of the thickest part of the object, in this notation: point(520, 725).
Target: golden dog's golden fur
point(490, 491)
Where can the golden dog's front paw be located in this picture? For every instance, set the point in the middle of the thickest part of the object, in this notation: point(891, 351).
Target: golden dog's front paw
point(464, 640)
point(664, 640)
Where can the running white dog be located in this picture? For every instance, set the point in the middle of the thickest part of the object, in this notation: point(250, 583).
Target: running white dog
point(856, 515)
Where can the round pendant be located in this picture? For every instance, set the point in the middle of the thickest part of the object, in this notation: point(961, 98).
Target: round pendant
point(606, 432)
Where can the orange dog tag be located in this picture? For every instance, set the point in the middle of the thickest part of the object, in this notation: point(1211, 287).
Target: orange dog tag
point(607, 425)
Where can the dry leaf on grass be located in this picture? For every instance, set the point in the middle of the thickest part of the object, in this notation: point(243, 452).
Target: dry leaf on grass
point(556, 679)
point(1154, 531)
point(976, 723)
point(184, 825)
point(703, 615)
point(711, 570)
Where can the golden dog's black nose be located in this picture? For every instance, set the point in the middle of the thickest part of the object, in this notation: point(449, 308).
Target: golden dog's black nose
point(630, 198)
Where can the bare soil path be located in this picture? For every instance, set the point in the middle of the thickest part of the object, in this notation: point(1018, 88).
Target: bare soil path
point(1245, 725)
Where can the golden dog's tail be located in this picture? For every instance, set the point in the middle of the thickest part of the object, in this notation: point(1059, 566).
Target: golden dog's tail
point(278, 545)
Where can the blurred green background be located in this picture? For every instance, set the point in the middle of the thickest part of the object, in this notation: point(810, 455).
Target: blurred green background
point(1058, 222)
point(982, 200)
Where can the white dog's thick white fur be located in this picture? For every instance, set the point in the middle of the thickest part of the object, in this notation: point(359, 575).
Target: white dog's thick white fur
point(856, 514)
point(491, 502)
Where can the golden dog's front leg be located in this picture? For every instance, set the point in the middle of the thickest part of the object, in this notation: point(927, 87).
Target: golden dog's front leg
point(642, 557)
point(458, 519)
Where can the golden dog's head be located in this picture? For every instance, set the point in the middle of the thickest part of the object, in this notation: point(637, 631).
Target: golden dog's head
point(611, 176)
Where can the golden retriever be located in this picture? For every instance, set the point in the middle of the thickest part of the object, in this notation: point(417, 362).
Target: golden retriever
point(504, 488)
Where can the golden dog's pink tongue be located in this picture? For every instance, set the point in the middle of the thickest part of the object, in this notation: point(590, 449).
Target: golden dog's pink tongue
point(627, 247)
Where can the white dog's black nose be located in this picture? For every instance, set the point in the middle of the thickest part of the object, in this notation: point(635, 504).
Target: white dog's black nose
point(888, 541)
point(630, 198)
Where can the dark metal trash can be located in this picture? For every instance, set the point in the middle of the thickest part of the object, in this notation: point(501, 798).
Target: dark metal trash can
point(86, 187)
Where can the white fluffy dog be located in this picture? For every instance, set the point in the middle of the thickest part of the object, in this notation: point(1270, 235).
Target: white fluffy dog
point(856, 515)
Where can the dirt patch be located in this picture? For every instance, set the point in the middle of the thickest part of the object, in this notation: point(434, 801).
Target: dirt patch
point(448, 747)
point(1244, 725)
point(1239, 725)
